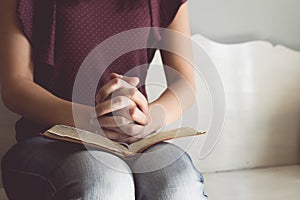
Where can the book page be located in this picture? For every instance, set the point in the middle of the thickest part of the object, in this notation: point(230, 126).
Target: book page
point(143, 144)
point(87, 137)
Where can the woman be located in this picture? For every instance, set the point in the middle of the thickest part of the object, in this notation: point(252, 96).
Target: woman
point(43, 44)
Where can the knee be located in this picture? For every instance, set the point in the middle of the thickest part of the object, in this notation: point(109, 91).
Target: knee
point(179, 180)
point(91, 177)
point(176, 179)
point(107, 187)
point(159, 156)
point(182, 180)
point(181, 169)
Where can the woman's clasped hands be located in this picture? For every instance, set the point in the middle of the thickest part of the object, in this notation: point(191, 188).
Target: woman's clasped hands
point(122, 110)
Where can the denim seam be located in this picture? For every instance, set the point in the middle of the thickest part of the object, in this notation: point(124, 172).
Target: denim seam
point(34, 174)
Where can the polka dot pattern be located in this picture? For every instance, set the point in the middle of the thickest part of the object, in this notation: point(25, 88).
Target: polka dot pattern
point(62, 33)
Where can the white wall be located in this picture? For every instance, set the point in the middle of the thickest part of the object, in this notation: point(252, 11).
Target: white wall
point(231, 21)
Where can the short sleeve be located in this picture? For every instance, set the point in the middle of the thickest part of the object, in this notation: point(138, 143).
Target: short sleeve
point(25, 16)
point(164, 11)
point(37, 22)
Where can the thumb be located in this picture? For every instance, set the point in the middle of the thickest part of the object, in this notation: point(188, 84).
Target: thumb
point(134, 81)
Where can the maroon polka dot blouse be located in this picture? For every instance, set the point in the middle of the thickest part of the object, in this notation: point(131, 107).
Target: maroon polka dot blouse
point(62, 33)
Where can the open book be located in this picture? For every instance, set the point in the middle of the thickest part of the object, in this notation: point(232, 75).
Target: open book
point(71, 134)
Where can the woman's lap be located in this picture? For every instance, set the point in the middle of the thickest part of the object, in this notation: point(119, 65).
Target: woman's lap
point(43, 169)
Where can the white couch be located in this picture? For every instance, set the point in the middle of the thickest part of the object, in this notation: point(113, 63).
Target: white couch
point(262, 124)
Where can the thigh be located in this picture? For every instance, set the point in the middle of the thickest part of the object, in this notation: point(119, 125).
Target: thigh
point(165, 171)
point(40, 168)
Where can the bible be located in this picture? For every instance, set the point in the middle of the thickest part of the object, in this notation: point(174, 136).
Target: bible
point(71, 134)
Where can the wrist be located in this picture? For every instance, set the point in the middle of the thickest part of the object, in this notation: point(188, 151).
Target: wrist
point(79, 116)
point(157, 115)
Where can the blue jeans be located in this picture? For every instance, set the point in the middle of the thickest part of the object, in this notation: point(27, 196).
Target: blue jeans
point(40, 168)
